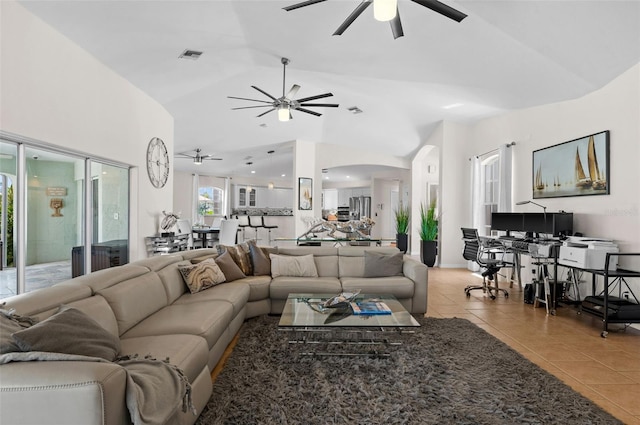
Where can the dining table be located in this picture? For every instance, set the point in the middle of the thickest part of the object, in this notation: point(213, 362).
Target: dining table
point(205, 234)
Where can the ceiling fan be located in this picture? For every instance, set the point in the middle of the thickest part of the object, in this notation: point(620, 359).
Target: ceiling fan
point(198, 157)
point(387, 10)
point(286, 102)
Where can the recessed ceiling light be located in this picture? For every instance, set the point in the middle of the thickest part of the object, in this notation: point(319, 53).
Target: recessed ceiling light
point(190, 54)
point(453, 105)
point(283, 175)
point(326, 177)
point(263, 125)
point(347, 176)
point(354, 110)
point(253, 171)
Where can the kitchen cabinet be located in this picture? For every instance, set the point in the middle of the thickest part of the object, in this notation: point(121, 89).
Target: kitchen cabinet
point(330, 199)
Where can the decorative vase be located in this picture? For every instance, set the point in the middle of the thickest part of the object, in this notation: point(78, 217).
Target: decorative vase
point(428, 251)
point(402, 242)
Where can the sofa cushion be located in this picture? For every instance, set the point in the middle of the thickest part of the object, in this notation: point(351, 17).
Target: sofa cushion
point(98, 309)
point(190, 353)
point(208, 320)
point(201, 276)
point(240, 255)
point(258, 286)
point(259, 261)
point(289, 265)
point(69, 331)
point(135, 299)
point(236, 293)
point(229, 267)
point(282, 286)
point(398, 286)
point(380, 264)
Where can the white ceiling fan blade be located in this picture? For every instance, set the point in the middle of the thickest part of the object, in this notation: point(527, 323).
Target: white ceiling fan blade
point(293, 91)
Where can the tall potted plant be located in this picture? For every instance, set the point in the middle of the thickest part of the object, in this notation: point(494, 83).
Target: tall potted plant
point(402, 228)
point(428, 233)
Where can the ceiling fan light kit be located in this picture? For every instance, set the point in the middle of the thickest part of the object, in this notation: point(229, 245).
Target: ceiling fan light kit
point(387, 10)
point(198, 158)
point(286, 103)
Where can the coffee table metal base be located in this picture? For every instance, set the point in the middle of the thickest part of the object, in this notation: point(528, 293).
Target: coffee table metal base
point(375, 342)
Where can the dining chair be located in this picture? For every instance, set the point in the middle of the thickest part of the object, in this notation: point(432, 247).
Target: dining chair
point(228, 232)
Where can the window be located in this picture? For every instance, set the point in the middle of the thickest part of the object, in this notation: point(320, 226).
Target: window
point(210, 201)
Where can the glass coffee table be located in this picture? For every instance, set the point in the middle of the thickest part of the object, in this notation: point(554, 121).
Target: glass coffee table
point(314, 330)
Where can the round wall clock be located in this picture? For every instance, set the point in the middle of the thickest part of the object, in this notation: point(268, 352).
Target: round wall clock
point(157, 162)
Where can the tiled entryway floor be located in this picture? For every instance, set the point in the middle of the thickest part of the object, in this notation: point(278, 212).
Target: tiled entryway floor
point(568, 345)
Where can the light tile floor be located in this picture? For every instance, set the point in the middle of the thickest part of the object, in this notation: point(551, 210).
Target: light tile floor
point(568, 345)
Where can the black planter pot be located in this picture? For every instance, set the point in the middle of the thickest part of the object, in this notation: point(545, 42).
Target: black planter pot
point(402, 242)
point(428, 251)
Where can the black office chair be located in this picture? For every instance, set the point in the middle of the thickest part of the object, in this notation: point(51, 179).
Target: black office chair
point(489, 255)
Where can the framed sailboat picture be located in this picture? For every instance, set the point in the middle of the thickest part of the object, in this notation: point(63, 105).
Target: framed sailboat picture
point(578, 167)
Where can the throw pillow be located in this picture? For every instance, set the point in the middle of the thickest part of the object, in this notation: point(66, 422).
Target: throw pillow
point(240, 255)
point(229, 267)
point(293, 265)
point(201, 276)
point(259, 261)
point(69, 331)
point(378, 264)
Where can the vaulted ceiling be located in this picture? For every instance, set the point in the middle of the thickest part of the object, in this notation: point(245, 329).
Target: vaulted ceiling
point(505, 55)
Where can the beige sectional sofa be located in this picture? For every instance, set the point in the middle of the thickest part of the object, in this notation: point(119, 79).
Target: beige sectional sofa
point(147, 305)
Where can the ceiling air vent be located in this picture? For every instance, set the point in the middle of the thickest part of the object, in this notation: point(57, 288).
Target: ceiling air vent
point(354, 110)
point(190, 54)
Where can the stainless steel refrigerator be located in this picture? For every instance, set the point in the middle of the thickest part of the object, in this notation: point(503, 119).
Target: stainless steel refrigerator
point(359, 207)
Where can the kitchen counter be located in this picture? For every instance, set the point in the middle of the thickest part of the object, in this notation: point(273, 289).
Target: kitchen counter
point(262, 211)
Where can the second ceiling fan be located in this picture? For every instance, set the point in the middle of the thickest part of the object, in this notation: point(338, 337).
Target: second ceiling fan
point(387, 10)
point(286, 103)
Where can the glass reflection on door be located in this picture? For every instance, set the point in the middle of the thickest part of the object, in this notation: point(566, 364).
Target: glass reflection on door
point(8, 165)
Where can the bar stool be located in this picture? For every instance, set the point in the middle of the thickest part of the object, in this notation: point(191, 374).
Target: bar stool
point(268, 227)
point(243, 223)
point(254, 225)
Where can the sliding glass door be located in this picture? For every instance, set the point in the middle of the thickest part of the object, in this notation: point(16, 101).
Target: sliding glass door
point(47, 211)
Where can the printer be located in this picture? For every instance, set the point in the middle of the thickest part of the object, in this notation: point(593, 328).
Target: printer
point(587, 253)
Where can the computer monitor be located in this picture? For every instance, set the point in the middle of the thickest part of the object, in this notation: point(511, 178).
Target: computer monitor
point(507, 222)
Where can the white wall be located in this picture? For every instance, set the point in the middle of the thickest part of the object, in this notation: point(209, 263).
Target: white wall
point(615, 107)
point(55, 92)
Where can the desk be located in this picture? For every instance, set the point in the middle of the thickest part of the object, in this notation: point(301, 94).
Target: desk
point(541, 259)
point(204, 232)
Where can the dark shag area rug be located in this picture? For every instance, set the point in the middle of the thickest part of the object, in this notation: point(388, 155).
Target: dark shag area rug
point(449, 372)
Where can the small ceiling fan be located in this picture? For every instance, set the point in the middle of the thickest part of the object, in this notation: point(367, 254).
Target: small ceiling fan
point(198, 157)
point(387, 10)
point(286, 103)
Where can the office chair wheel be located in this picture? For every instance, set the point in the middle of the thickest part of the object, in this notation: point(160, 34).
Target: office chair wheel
point(604, 334)
point(493, 297)
point(468, 293)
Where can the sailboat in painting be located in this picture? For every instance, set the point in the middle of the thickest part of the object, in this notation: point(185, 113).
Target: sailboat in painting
point(581, 178)
point(538, 184)
point(599, 182)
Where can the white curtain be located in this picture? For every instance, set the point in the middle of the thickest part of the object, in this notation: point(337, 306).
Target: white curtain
point(477, 201)
point(477, 193)
point(505, 154)
point(194, 190)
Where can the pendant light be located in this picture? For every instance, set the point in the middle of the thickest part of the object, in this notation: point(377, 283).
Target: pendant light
point(270, 185)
